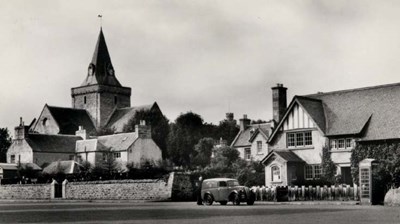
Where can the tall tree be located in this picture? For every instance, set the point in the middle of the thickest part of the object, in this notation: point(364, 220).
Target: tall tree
point(227, 130)
point(184, 134)
point(5, 142)
point(203, 151)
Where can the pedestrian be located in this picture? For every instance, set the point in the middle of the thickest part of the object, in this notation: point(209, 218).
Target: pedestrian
point(198, 191)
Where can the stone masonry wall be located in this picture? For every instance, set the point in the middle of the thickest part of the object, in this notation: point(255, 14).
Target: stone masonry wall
point(121, 189)
point(25, 191)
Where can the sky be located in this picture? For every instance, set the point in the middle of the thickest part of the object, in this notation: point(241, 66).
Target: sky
point(205, 56)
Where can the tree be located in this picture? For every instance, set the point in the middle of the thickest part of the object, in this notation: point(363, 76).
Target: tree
point(184, 134)
point(5, 142)
point(225, 157)
point(328, 166)
point(159, 127)
point(227, 130)
point(203, 151)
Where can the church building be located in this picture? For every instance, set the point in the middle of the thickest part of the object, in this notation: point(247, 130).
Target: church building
point(99, 103)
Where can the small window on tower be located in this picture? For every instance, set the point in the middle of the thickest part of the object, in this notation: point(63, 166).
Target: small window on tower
point(84, 99)
point(115, 100)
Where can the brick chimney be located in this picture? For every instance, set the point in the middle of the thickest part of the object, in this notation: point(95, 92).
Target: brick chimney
point(82, 133)
point(244, 122)
point(21, 131)
point(142, 130)
point(279, 103)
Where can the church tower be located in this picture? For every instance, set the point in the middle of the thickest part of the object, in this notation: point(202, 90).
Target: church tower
point(100, 93)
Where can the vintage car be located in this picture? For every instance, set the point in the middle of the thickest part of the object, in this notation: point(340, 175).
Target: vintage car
point(223, 190)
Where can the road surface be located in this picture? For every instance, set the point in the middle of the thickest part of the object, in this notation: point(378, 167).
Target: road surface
point(189, 212)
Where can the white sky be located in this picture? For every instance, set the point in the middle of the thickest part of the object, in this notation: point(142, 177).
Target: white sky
point(200, 56)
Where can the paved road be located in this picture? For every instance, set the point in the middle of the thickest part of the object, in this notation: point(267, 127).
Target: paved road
point(188, 212)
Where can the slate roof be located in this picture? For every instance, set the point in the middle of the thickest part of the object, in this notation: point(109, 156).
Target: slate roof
point(122, 116)
point(69, 119)
point(372, 113)
point(102, 65)
point(287, 155)
point(66, 167)
point(14, 166)
point(116, 142)
point(52, 143)
point(9, 166)
point(315, 108)
point(349, 111)
point(243, 138)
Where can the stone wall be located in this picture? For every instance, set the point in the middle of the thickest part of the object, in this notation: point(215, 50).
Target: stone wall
point(25, 191)
point(177, 187)
point(121, 189)
point(392, 197)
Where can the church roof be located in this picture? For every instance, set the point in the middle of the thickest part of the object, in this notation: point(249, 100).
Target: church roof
point(122, 116)
point(69, 119)
point(52, 143)
point(101, 70)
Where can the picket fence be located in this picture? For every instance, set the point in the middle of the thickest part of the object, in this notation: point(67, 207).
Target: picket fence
point(307, 193)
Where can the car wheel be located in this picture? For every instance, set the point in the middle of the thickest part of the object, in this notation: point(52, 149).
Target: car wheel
point(208, 200)
point(236, 199)
point(223, 202)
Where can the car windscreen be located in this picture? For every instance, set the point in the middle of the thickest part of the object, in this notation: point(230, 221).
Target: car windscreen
point(232, 183)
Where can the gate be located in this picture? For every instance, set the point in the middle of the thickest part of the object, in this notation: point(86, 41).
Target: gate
point(58, 190)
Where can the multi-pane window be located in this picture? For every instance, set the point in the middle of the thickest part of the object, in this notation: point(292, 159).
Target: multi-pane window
point(275, 173)
point(348, 143)
point(290, 139)
point(247, 153)
point(313, 171)
point(342, 143)
point(117, 155)
point(259, 146)
point(309, 172)
point(308, 138)
point(299, 139)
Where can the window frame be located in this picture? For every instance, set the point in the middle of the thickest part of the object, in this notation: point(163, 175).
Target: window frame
point(299, 139)
point(259, 147)
point(312, 171)
point(341, 143)
point(12, 158)
point(273, 169)
point(247, 153)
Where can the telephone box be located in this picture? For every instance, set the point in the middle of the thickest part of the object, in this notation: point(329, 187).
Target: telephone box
point(367, 182)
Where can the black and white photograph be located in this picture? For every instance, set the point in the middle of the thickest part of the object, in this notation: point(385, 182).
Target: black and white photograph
point(200, 111)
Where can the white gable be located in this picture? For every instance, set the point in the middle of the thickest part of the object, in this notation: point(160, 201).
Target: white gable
point(297, 118)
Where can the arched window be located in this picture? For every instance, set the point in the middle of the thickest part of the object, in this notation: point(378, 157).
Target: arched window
point(84, 99)
point(275, 173)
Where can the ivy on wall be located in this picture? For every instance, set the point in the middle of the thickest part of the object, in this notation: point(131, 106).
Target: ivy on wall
point(388, 156)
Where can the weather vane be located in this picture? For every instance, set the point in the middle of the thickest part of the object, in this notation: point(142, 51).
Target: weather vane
point(101, 20)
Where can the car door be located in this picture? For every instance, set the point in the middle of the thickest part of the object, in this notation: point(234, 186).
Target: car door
point(223, 191)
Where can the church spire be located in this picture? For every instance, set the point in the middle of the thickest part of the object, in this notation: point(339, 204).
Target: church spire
point(101, 70)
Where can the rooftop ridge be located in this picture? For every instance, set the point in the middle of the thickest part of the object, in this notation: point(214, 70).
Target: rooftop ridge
point(58, 135)
point(70, 108)
point(353, 90)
